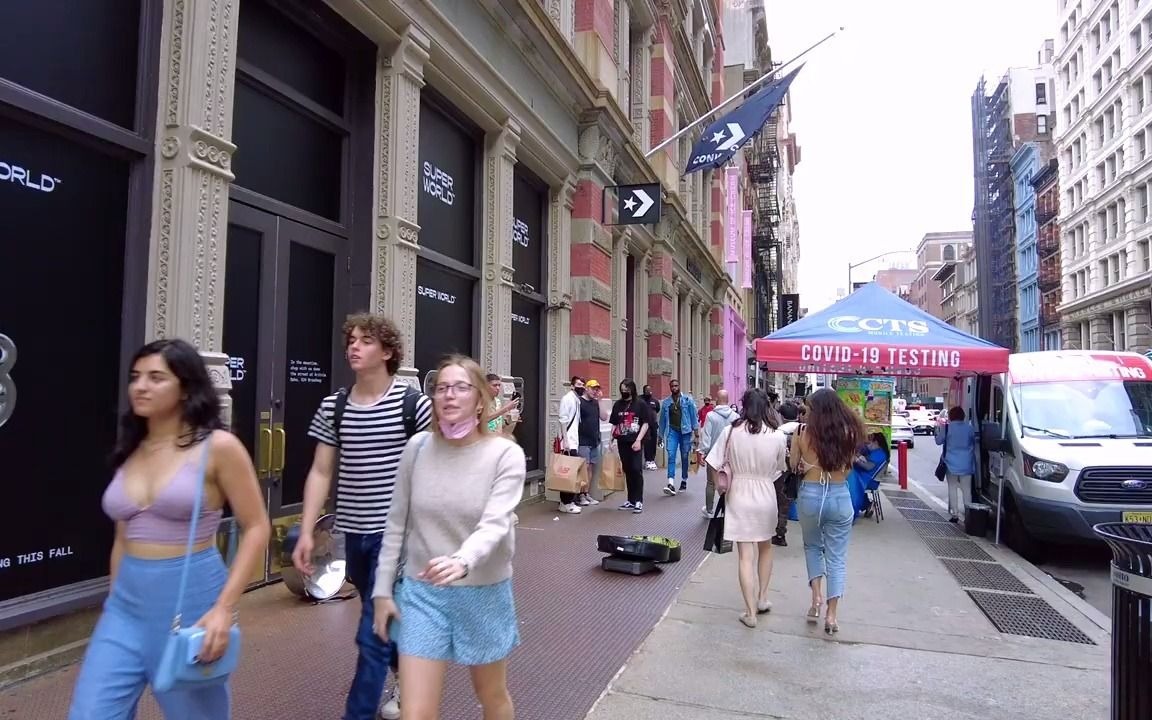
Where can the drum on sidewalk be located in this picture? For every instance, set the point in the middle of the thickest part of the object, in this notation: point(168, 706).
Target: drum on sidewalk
point(327, 557)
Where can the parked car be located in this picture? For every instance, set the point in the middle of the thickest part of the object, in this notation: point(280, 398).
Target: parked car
point(922, 423)
point(902, 430)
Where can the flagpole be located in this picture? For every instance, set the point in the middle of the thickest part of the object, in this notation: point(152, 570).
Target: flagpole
point(744, 90)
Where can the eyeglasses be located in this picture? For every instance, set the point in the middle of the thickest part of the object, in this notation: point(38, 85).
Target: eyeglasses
point(460, 388)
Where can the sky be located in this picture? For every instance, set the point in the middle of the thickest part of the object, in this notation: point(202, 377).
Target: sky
point(883, 118)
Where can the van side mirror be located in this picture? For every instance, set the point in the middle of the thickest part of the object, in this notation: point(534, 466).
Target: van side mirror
point(990, 433)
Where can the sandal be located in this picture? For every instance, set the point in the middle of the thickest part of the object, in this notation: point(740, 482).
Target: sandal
point(764, 608)
point(813, 613)
point(831, 628)
point(748, 620)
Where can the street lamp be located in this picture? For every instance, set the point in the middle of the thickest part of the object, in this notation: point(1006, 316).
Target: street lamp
point(851, 266)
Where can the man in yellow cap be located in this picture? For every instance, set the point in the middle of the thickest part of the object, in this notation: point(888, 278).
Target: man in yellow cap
point(591, 414)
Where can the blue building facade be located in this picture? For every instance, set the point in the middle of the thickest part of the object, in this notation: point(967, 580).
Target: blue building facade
point(1025, 164)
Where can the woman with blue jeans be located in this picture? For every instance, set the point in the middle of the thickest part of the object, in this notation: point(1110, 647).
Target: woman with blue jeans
point(823, 453)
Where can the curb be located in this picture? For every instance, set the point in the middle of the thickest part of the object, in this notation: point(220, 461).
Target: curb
point(1009, 558)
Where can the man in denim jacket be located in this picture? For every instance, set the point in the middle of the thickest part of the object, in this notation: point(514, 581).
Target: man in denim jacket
point(680, 427)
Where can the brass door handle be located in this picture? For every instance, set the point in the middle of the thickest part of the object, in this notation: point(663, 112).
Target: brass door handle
point(264, 451)
point(278, 430)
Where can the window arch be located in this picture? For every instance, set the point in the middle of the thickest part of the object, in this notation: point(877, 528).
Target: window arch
point(949, 253)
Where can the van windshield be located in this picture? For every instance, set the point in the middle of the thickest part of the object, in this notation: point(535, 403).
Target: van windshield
point(1085, 408)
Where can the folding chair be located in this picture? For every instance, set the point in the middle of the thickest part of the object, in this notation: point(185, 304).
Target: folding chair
point(874, 494)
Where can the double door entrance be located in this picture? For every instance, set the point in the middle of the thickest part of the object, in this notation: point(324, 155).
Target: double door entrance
point(283, 308)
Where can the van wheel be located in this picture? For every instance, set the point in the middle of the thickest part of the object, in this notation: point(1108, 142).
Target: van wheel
point(1019, 538)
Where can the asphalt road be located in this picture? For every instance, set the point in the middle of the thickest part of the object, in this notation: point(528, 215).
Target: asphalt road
point(1084, 570)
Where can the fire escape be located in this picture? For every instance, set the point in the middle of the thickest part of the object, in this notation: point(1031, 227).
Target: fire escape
point(1002, 216)
point(1048, 245)
point(767, 277)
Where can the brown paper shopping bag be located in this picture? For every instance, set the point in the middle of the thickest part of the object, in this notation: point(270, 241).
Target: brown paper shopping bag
point(612, 473)
point(566, 473)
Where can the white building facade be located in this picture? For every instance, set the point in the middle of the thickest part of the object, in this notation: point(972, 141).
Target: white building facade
point(1104, 132)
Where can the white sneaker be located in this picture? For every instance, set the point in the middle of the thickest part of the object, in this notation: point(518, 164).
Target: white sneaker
point(670, 489)
point(704, 510)
point(650, 465)
point(638, 508)
point(570, 508)
point(589, 500)
point(390, 710)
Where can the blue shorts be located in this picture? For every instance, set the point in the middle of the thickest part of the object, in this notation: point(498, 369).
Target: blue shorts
point(464, 624)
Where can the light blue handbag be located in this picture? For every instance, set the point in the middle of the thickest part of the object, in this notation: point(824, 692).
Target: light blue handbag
point(179, 669)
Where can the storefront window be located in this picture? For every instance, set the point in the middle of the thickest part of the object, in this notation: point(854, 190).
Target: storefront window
point(447, 177)
point(64, 208)
point(83, 54)
point(445, 302)
point(527, 339)
point(528, 240)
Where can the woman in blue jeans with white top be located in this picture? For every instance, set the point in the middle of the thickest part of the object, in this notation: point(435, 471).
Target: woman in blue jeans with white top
point(823, 452)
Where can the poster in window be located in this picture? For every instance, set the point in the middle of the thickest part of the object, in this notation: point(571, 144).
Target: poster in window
point(528, 240)
point(527, 338)
point(64, 207)
point(445, 302)
point(446, 208)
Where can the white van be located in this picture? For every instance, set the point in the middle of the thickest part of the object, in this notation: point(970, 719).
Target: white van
point(1070, 435)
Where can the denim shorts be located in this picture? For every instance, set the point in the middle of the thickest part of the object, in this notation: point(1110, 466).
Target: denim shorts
point(464, 624)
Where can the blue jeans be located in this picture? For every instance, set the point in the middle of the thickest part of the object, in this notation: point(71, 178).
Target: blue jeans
point(124, 651)
point(678, 443)
point(826, 516)
point(375, 655)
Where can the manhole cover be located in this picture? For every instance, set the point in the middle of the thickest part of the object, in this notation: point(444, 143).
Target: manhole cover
point(899, 493)
point(936, 529)
point(926, 515)
point(1027, 615)
point(949, 548)
point(909, 503)
point(988, 576)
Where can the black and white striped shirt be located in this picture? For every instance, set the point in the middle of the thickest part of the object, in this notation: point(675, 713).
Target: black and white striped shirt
point(373, 438)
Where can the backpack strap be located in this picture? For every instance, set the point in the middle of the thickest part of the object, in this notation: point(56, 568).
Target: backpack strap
point(411, 398)
point(338, 412)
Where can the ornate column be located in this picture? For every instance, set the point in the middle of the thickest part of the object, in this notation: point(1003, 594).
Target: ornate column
point(641, 66)
point(641, 319)
point(703, 361)
point(190, 213)
point(1101, 332)
point(559, 315)
point(716, 351)
point(399, 79)
point(620, 327)
point(496, 285)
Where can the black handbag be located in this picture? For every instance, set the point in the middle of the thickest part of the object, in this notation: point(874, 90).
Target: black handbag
point(941, 468)
point(790, 477)
point(714, 537)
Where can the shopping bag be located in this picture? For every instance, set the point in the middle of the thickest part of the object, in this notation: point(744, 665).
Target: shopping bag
point(714, 541)
point(566, 473)
point(693, 462)
point(612, 473)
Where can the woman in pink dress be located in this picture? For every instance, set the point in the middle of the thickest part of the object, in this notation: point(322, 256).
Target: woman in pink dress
point(752, 451)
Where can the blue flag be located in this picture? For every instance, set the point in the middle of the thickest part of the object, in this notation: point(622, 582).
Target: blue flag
point(723, 137)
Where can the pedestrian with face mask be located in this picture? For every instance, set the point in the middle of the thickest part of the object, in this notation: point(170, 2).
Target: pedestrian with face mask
point(569, 417)
point(631, 422)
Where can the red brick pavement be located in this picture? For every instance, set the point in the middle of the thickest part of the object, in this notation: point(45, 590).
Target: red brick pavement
point(579, 625)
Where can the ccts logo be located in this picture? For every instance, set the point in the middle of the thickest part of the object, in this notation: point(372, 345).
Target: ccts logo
point(877, 326)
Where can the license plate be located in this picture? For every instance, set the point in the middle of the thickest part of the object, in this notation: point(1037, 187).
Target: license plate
point(1138, 517)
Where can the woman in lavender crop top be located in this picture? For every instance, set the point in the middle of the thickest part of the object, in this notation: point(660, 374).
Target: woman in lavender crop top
point(170, 442)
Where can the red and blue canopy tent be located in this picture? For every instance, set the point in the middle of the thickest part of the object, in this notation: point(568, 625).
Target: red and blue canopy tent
point(874, 332)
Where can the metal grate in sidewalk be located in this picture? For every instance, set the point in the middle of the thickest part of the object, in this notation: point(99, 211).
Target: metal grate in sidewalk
point(909, 503)
point(925, 515)
point(937, 529)
point(953, 548)
point(1008, 603)
point(984, 576)
point(1027, 615)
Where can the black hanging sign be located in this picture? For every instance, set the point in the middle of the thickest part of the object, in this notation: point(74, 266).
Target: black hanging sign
point(637, 204)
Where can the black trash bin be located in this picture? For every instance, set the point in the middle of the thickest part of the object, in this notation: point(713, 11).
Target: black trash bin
point(1131, 618)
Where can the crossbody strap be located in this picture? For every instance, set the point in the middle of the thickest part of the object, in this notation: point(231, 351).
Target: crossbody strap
point(176, 621)
point(944, 445)
point(408, 510)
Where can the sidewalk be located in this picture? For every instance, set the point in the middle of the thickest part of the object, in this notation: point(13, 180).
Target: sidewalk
point(912, 644)
point(578, 624)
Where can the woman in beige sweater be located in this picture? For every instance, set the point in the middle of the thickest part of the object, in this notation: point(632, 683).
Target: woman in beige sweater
point(444, 577)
